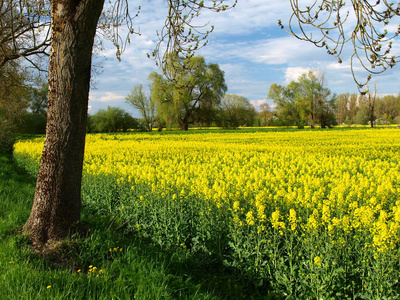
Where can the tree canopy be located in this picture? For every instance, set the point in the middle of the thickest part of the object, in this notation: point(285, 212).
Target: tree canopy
point(112, 119)
point(197, 87)
point(306, 101)
point(237, 111)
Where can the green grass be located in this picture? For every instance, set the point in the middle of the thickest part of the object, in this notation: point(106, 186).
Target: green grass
point(139, 271)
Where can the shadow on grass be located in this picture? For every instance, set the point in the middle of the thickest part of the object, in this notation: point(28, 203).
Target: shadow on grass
point(185, 276)
point(142, 268)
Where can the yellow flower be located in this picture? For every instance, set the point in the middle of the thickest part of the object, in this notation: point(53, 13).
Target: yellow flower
point(317, 260)
point(312, 222)
point(48, 287)
point(275, 221)
point(236, 205)
point(250, 218)
point(292, 219)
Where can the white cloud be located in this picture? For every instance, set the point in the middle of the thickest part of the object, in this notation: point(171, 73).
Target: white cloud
point(293, 73)
point(257, 103)
point(105, 97)
point(247, 17)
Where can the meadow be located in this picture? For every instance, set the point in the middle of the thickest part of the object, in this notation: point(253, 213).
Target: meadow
point(299, 214)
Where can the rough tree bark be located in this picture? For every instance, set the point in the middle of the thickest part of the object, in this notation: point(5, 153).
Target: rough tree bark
point(57, 200)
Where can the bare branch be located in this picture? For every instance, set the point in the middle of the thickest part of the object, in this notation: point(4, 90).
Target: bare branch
point(369, 37)
point(179, 36)
point(114, 17)
point(24, 29)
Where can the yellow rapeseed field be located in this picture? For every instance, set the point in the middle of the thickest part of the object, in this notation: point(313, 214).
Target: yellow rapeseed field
point(336, 187)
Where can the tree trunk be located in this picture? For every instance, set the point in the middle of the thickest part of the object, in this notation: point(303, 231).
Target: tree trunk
point(183, 124)
point(57, 201)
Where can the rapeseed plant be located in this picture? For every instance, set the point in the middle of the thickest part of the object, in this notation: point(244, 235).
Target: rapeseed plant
point(261, 195)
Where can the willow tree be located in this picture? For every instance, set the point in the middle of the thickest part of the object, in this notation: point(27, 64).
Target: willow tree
point(57, 200)
point(370, 28)
point(196, 88)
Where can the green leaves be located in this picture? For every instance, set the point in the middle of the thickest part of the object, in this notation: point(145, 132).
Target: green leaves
point(190, 90)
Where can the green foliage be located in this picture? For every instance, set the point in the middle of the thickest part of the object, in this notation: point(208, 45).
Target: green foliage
point(32, 123)
point(387, 108)
point(12, 103)
point(37, 98)
point(287, 106)
point(34, 120)
point(112, 119)
point(355, 109)
point(192, 96)
point(362, 117)
point(236, 111)
point(305, 101)
point(7, 137)
point(265, 115)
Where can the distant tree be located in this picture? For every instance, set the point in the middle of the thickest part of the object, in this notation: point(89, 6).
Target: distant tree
point(34, 120)
point(139, 100)
point(362, 116)
point(342, 111)
point(308, 97)
point(237, 111)
point(196, 87)
point(306, 101)
point(396, 120)
point(265, 115)
point(315, 100)
point(162, 91)
point(354, 106)
point(37, 98)
point(13, 104)
point(371, 100)
point(287, 105)
point(112, 119)
point(387, 108)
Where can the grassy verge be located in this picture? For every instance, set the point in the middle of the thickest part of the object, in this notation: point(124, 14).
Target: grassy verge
point(103, 263)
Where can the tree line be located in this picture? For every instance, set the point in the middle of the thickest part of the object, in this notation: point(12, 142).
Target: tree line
point(197, 98)
point(308, 102)
point(199, 101)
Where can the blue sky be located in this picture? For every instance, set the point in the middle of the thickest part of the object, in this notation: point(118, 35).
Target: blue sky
point(249, 47)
